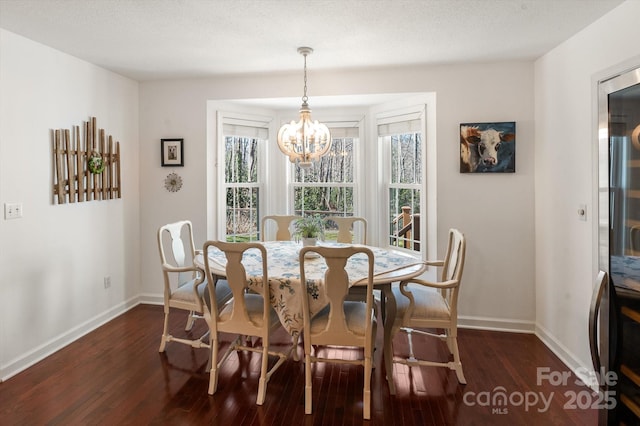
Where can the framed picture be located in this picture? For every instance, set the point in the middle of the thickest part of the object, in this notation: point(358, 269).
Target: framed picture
point(488, 147)
point(172, 152)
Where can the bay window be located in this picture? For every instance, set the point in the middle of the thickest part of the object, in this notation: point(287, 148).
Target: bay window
point(376, 169)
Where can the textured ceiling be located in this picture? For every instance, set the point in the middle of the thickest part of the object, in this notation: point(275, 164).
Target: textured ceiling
point(159, 39)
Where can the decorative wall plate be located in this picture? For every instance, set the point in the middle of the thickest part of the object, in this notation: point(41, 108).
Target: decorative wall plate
point(173, 182)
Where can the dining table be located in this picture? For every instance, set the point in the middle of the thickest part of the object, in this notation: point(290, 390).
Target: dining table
point(283, 267)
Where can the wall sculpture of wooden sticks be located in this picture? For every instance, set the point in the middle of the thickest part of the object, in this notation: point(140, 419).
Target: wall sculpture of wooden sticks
point(86, 168)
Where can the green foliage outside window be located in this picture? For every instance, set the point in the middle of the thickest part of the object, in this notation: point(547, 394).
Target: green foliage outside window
point(327, 188)
point(242, 192)
point(405, 190)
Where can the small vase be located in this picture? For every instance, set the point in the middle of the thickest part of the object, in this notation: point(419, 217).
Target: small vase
point(309, 242)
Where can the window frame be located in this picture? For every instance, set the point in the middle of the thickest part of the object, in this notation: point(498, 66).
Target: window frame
point(391, 117)
point(245, 120)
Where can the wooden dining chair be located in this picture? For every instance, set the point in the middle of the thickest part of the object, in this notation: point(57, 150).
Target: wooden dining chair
point(283, 226)
point(424, 305)
point(247, 314)
point(184, 281)
point(346, 226)
point(342, 322)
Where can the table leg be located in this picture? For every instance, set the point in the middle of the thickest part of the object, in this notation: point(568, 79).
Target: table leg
point(294, 347)
point(389, 315)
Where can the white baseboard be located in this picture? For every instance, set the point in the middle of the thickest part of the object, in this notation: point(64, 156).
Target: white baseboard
point(557, 348)
point(25, 361)
point(496, 324)
point(584, 373)
point(151, 298)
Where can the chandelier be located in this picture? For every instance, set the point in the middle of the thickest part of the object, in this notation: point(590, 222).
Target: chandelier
point(305, 140)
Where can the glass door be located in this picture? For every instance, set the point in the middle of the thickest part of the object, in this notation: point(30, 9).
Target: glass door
point(623, 146)
point(619, 242)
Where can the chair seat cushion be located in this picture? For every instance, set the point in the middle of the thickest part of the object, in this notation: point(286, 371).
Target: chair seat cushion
point(185, 292)
point(223, 292)
point(429, 304)
point(254, 305)
point(354, 312)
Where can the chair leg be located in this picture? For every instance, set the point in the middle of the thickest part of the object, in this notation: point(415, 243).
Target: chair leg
point(453, 340)
point(262, 385)
point(213, 372)
point(448, 337)
point(388, 360)
point(409, 332)
point(366, 394)
point(294, 347)
point(212, 341)
point(190, 321)
point(163, 341)
point(307, 384)
point(388, 312)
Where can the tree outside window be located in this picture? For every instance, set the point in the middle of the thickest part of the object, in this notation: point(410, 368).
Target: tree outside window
point(242, 188)
point(327, 189)
point(405, 190)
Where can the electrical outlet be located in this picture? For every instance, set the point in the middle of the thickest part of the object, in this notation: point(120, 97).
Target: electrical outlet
point(107, 282)
point(12, 210)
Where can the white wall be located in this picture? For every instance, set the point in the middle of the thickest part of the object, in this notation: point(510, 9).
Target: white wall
point(565, 158)
point(494, 211)
point(54, 259)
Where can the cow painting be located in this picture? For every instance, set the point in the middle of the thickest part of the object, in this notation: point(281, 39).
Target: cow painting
point(488, 147)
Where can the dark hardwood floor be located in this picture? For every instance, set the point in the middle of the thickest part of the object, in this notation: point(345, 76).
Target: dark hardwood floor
point(115, 376)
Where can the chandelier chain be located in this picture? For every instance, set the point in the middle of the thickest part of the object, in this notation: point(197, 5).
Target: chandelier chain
point(304, 97)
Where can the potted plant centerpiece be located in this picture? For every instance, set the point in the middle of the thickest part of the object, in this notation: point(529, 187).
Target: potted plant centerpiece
point(309, 229)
